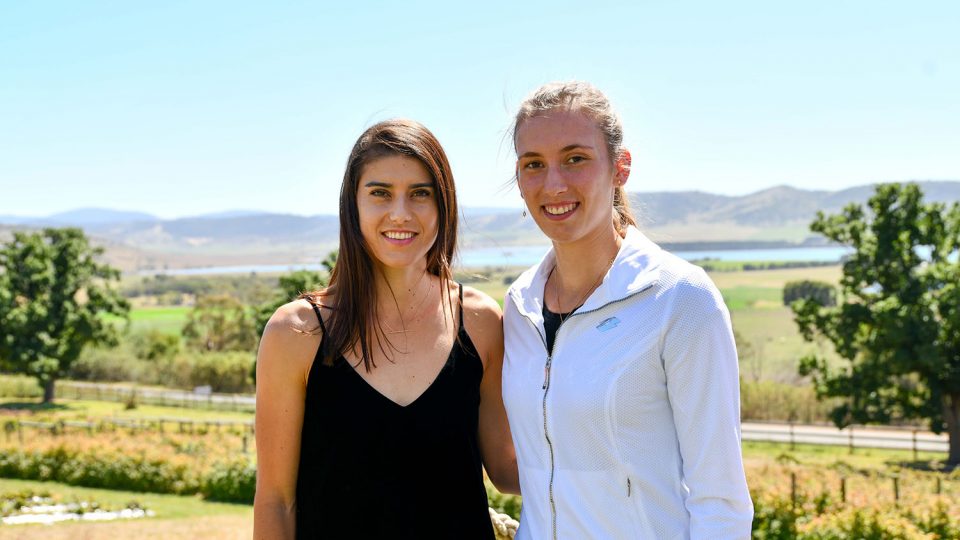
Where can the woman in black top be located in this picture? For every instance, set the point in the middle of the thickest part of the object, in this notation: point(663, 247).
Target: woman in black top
point(378, 398)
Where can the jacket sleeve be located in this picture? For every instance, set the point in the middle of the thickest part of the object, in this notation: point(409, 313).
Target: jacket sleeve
point(700, 361)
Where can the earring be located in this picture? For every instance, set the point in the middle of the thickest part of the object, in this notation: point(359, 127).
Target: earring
point(524, 213)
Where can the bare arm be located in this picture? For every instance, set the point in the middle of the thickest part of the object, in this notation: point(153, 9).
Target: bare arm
point(283, 363)
point(484, 323)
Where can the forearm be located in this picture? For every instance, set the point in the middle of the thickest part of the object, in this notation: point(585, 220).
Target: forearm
point(505, 478)
point(274, 521)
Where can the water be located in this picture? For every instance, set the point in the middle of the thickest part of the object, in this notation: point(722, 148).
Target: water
point(529, 255)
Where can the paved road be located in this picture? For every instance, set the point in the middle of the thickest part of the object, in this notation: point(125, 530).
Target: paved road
point(858, 437)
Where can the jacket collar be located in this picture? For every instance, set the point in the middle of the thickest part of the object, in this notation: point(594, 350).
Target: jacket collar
point(636, 267)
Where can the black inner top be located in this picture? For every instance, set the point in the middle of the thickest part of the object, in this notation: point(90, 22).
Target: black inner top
point(551, 322)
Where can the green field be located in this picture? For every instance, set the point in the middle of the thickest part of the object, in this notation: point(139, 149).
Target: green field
point(168, 319)
point(764, 325)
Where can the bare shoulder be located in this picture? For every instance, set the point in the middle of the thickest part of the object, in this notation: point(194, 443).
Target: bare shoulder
point(483, 321)
point(291, 337)
point(480, 307)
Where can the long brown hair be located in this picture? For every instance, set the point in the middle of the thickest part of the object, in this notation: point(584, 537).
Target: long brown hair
point(583, 96)
point(353, 319)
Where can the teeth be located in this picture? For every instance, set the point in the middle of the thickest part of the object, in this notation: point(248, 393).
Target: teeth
point(557, 210)
point(394, 235)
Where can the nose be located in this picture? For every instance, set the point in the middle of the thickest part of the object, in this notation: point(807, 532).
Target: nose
point(399, 212)
point(554, 183)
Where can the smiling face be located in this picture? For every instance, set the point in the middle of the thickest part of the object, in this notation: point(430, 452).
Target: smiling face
point(397, 207)
point(566, 175)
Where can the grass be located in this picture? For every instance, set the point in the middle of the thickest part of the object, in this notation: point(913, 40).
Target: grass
point(169, 319)
point(165, 506)
point(825, 456)
point(68, 409)
point(775, 278)
point(746, 296)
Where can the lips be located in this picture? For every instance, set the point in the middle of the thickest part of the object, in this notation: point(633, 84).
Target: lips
point(399, 237)
point(559, 211)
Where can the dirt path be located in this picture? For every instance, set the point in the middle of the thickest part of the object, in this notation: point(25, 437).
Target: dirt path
point(206, 528)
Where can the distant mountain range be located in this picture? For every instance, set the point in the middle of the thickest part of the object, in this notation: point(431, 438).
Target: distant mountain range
point(138, 241)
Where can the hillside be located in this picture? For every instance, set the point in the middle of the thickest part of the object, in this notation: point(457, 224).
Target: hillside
point(137, 241)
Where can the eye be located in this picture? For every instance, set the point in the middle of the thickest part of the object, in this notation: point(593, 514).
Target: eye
point(379, 192)
point(576, 159)
point(534, 164)
point(422, 193)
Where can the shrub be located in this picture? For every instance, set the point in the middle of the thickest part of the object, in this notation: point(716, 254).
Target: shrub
point(19, 386)
point(774, 519)
point(819, 291)
point(98, 470)
point(231, 482)
point(861, 524)
point(223, 372)
point(768, 400)
point(154, 344)
point(503, 503)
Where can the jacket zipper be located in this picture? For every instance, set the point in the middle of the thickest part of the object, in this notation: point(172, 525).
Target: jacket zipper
point(546, 388)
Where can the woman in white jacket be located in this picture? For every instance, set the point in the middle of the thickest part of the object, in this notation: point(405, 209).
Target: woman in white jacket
point(620, 376)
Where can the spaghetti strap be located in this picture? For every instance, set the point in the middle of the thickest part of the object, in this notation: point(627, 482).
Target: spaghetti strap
point(316, 309)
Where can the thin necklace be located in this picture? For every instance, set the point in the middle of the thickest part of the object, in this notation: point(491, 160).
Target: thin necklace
point(556, 289)
point(413, 310)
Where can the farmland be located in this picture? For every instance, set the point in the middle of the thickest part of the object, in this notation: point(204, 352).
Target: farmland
point(178, 462)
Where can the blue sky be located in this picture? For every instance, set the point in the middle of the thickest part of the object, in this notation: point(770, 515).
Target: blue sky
point(181, 108)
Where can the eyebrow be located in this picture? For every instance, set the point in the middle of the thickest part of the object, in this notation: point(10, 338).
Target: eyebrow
point(376, 183)
point(567, 148)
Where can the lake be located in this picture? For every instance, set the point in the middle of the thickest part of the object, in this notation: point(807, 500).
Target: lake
point(528, 255)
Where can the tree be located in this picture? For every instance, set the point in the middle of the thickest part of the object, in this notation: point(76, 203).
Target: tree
point(219, 323)
point(822, 292)
point(291, 286)
point(897, 326)
point(55, 300)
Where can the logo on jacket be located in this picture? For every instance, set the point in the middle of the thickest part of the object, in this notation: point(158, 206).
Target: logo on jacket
point(608, 324)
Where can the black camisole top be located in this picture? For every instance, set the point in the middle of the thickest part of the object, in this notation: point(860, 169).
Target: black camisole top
point(370, 468)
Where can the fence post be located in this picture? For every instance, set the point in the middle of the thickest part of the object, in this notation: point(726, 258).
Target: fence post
point(793, 489)
point(792, 445)
point(843, 489)
point(850, 428)
point(939, 487)
point(896, 491)
point(914, 445)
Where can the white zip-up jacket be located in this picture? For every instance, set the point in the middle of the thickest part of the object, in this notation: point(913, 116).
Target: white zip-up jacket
point(631, 428)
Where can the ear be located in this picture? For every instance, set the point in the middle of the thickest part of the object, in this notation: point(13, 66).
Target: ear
point(623, 167)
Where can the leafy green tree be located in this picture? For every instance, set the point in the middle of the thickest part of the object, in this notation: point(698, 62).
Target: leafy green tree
point(291, 286)
point(822, 292)
point(55, 300)
point(219, 323)
point(898, 323)
point(330, 261)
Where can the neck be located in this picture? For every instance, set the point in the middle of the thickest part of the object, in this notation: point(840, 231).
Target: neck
point(579, 264)
point(401, 286)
